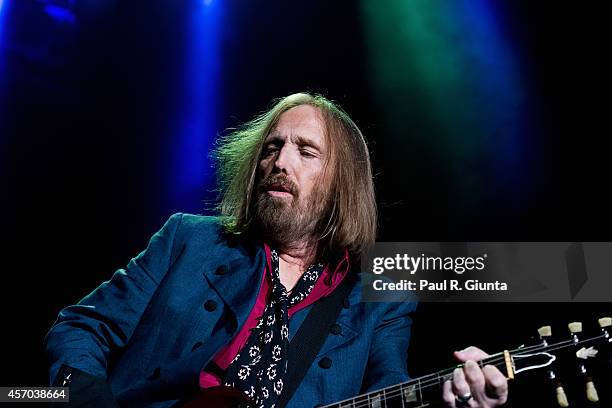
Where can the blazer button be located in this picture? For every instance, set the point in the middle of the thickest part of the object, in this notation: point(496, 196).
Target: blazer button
point(335, 329)
point(210, 305)
point(325, 362)
point(222, 270)
point(156, 374)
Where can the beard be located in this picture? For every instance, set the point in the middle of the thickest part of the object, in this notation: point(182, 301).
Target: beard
point(287, 220)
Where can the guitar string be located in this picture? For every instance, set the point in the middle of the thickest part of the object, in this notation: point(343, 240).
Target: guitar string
point(494, 359)
point(424, 381)
point(394, 392)
point(435, 382)
point(497, 357)
point(384, 395)
point(516, 353)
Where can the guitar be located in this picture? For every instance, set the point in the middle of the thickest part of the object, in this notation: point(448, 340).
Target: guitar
point(415, 393)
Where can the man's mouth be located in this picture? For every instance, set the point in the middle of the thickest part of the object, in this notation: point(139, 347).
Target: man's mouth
point(278, 190)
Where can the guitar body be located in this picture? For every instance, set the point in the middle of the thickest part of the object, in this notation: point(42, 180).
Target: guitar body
point(221, 397)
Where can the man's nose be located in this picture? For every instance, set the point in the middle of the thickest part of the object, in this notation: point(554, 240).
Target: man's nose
point(282, 160)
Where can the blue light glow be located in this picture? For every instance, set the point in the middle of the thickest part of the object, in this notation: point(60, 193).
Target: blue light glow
point(2, 12)
point(3, 79)
point(60, 14)
point(502, 90)
point(197, 114)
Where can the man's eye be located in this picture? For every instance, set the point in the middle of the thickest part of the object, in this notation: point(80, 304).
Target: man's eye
point(307, 153)
point(270, 150)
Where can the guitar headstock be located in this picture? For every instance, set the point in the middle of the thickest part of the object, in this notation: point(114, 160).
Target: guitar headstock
point(545, 354)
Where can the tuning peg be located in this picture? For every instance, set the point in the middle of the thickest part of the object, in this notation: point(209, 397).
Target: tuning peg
point(545, 331)
point(561, 397)
point(575, 328)
point(604, 323)
point(591, 391)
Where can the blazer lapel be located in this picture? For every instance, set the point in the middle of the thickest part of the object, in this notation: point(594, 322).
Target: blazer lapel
point(237, 280)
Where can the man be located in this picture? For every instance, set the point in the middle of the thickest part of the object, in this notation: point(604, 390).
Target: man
point(218, 301)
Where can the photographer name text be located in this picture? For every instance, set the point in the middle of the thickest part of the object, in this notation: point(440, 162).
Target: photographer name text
point(473, 285)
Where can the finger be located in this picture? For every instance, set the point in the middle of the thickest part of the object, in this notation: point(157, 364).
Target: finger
point(470, 353)
point(460, 385)
point(476, 380)
point(496, 384)
point(447, 394)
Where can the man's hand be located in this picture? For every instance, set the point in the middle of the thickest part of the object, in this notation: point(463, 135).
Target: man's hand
point(474, 387)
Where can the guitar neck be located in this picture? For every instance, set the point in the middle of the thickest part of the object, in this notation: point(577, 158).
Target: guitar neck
point(420, 392)
point(417, 392)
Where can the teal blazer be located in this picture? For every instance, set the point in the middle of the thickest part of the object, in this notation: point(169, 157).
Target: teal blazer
point(154, 325)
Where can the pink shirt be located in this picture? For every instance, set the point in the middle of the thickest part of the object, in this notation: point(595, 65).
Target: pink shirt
point(328, 281)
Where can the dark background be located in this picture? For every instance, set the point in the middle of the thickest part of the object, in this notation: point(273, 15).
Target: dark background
point(88, 135)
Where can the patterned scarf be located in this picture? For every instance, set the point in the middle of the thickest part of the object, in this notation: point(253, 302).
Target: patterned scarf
point(259, 368)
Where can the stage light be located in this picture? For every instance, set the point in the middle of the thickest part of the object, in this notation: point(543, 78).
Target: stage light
point(198, 106)
point(450, 74)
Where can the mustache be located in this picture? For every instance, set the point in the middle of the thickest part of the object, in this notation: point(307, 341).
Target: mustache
point(279, 181)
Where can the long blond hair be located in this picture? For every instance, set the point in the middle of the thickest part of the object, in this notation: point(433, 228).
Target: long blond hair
point(351, 220)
